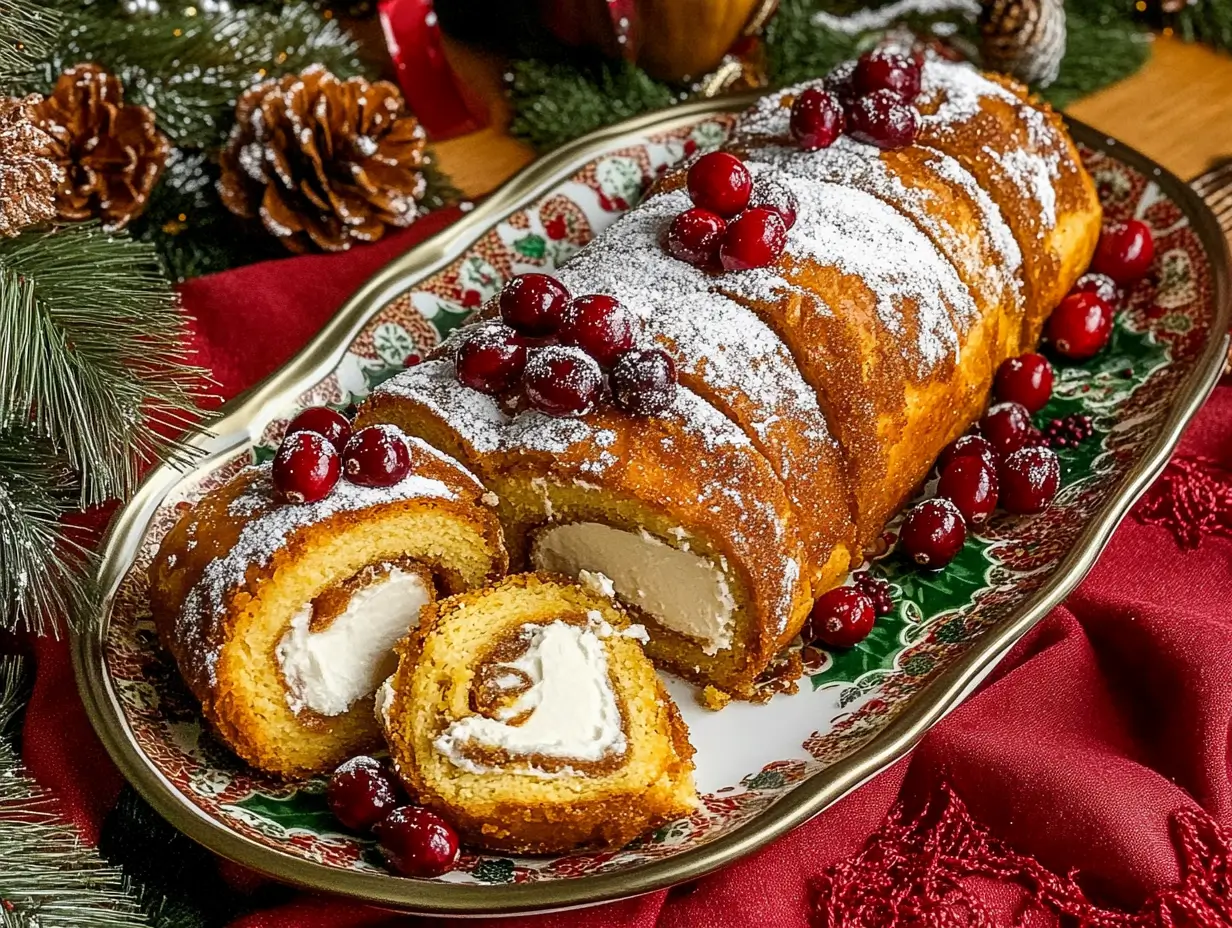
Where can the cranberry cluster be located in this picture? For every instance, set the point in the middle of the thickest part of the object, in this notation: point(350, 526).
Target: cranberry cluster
point(364, 795)
point(734, 223)
point(559, 350)
point(871, 101)
point(318, 448)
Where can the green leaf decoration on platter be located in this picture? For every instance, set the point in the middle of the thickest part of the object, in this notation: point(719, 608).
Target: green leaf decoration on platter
point(303, 809)
point(922, 597)
point(531, 246)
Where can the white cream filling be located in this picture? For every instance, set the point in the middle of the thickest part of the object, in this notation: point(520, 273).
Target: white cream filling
point(680, 590)
point(570, 708)
point(327, 671)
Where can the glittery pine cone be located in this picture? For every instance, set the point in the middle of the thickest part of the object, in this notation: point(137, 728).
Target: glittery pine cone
point(323, 161)
point(111, 152)
point(1023, 38)
point(28, 177)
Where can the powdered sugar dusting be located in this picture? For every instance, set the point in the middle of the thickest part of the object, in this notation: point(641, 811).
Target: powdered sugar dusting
point(271, 524)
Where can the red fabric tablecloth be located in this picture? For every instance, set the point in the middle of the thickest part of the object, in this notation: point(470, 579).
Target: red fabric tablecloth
point(1088, 779)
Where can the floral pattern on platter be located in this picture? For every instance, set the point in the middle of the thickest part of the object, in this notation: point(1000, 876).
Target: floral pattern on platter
point(852, 694)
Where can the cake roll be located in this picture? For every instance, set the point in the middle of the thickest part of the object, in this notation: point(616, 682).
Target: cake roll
point(282, 617)
point(677, 514)
point(527, 715)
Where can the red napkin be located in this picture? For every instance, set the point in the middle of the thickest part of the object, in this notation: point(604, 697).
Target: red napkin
point(1088, 779)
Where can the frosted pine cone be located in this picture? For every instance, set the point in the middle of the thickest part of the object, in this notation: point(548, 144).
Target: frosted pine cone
point(323, 161)
point(28, 177)
point(1024, 38)
point(111, 153)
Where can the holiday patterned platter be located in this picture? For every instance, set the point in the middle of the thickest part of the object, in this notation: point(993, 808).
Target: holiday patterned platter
point(762, 768)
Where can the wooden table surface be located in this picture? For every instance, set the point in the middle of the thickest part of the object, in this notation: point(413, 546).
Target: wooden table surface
point(1177, 110)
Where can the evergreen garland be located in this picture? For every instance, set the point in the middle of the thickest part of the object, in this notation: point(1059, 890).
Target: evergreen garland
point(48, 877)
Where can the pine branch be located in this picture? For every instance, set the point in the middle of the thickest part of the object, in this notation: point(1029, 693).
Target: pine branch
point(1096, 55)
point(556, 102)
point(43, 571)
point(190, 67)
point(28, 32)
point(48, 877)
point(93, 354)
point(1207, 21)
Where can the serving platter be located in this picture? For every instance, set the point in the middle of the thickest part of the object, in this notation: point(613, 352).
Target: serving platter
point(762, 768)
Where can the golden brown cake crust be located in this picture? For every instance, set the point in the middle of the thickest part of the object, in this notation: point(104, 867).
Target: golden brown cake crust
point(514, 823)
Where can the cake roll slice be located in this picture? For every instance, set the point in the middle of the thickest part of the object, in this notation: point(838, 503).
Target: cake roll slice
point(282, 617)
point(677, 515)
point(527, 715)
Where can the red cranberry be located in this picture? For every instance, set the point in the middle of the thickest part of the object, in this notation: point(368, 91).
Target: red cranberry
point(562, 381)
point(599, 325)
point(720, 183)
point(1125, 251)
point(842, 617)
point(971, 485)
point(694, 236)
point(532, 303)
point(755, 238)
point(361, 792)
point(644, 382)
point(776, 195)
point(1026, 380)
point(1029, 479)
point(1101, 285)
point(933, 533)
point(883, 69)
point(842, 83)
point(490, 359)
point(976, 446)
point(324, 421)
point(416, 842)
point(305, 468)
point(1080, 326)
point(377, 456)
point(884, 120)
point(876, 589)
point(816, 119)
point(1006, 427)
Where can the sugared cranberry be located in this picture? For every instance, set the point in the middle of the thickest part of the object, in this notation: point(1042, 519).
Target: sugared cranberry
point(305, 468)
point(644, 381)
point(817, 119)
point(933, 533)
point(361, 792)
point(324, 421)
point(842, 617)
point(490, 359)
point(1101, 285)
point(598, 324)
point(416, 842)
point(1080, 326)
point(694, 236)
point(1007, 427)
point(533, 303)
point(776, 195)
point(968, 446)
point(971, 485)
point(1026, 380)
point(876, 589)
point(884, 120)
point(1125, 251)
point(562, 381)
point(842, 83)
point(1029, 479)
point(377, 456)
point(883, 69)
point(755, 238)
point(720, 183)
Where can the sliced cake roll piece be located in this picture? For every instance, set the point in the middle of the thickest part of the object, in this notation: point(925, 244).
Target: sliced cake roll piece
point(677, 513)
point(527, 715)
point(282, 617)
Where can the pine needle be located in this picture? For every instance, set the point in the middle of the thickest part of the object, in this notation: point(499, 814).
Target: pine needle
point(93, 354)
point(48, 877)
point(28, 32)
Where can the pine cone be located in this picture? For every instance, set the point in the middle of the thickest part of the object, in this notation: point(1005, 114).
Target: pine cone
point(323, 161)
point(28, 177)
point(111, 153)
point(1024, 38)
